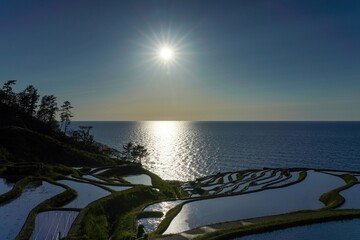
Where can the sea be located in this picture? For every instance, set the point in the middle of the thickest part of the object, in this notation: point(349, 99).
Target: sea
point(184, 151)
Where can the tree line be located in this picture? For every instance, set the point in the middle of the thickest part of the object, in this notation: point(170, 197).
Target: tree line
point(27, 102)
point(46, 110)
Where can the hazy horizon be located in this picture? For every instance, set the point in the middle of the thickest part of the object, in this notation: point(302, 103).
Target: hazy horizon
point(188, 60)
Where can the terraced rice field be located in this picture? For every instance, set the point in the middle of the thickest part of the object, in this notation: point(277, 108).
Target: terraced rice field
point(212, 199)
point(57, 222)
point(248, 194)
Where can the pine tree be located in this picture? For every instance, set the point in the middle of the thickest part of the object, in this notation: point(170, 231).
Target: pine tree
point(28, 99)
point(66, 114)
point(47, 109)
point(7, 96)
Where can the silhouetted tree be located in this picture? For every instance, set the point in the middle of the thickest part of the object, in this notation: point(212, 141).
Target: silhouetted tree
point(7, 96)
point(126, 153)
point(66, 114)
point(134, 153)
point(28, 99)
point(47, 109)
point(138, 153)
point(83, 135)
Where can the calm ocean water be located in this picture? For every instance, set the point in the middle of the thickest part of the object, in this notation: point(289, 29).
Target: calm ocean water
point(187, 150)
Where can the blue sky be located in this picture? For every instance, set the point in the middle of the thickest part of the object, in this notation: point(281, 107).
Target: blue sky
point(234, 60)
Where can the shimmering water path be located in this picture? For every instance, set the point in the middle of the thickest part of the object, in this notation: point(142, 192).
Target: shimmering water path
point(187, 150)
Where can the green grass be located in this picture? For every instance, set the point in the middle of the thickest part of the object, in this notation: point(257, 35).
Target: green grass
point(333, 199)
point(114, 215)
point(170, 189)
point(149, 215)
point(302, 176)
point(16, 190)
point(170, 215)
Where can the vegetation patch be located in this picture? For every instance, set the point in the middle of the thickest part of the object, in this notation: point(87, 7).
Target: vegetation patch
point(272, 223)
point(114, 215)
point(301, 177)
point(57, 201)
point(333, 199)
point(171, 189)
point(147, 214)
point(170, 215)
point(16, 190)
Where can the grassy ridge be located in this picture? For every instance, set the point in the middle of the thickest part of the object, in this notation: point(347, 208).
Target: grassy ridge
point(54, 202)
point(170, 215)
point(280, 222)
point(113, 215)
point(16, 190)
point(169, 189)
point(333, 199)
point(173, 212)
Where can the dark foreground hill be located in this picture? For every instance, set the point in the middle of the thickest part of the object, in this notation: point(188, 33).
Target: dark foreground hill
point(24, 138)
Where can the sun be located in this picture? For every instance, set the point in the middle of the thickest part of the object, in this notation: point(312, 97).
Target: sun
point(167, 49)
point(166, 54)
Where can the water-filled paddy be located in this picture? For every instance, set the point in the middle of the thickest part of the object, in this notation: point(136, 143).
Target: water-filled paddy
point(14, 213)
point(162, 206)
point(48, 225)
point(352, 197)
point(150, 224)
point(273, 178)
point(117, 188)
point(282, 182)
point(100, 171)
point(303, 195)
point(139, 179)
point(93, 178)
point(87, 193)
point(348, 230)
point(5, 186)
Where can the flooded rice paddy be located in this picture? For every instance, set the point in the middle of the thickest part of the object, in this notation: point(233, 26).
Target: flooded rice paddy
point(304, 195)
point(5, 186)
point(229, 196)
point(53, 224)
point(348, 230)
point(87, 193)
point(150, 224)
point(352, 197)
point(14, 213)
point(139, 179)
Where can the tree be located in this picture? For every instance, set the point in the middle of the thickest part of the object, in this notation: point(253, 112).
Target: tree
point(134, 153)
point(47, 109)
point(139, 152)
point(28, 99)
point(7, 95)
point(83, 135)
point(66, 114)
point(127, 151)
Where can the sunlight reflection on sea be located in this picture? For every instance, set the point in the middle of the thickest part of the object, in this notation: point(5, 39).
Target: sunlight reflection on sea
point(185, 150)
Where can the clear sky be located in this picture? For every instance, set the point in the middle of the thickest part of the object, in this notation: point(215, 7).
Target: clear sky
point(233, 60)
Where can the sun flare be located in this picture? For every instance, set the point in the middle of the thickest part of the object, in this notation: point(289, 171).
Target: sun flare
point(166, 54)
point(167, 49)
